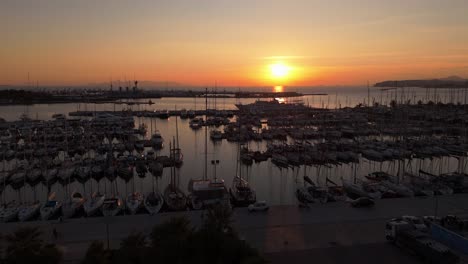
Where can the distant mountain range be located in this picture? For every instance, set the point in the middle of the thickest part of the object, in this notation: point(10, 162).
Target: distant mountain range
point(105, 86)
point(448, 82)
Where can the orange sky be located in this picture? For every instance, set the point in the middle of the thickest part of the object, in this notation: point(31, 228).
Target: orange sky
point(231, 42)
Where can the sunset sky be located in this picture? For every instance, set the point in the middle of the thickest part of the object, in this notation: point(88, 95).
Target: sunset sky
point(233, 43)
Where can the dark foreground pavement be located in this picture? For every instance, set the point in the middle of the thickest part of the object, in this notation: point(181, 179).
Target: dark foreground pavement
point(325, 233)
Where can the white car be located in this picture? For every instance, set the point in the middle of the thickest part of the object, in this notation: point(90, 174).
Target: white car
point(258, 206)
point(416, 222)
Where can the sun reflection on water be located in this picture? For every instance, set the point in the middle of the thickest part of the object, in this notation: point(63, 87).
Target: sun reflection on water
point(278, 89)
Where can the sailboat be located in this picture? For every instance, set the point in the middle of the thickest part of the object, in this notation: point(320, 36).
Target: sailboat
point(9, 212)
point(173, 196)
point(177, 156)
point(354, 190)
point(154, 200)
point(135, 199)
point(141, 168)
point(50, 208)
point(28, 211)
point(72, 205)
point(112, 205)
point(157, 140)
point(241, 192)
point(134, 202)
point(206, 192)
point(156, 168)
point(319, 194)
point(93, 204)
point(216, 135)
point(196, 123)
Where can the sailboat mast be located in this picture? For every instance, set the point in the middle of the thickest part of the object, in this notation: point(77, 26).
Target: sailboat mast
point(174, 159)
point(170, 155)
point(368, 95)
point(239, 153)
point(177, 132)
point(206, 134)
point(4, 181)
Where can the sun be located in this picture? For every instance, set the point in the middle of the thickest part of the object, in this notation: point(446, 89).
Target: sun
point(279, 70)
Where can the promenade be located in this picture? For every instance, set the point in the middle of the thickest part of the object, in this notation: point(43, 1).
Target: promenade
point(333, 232)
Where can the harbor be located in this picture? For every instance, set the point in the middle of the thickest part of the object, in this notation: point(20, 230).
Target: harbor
point(130, 161)
point(234, 132)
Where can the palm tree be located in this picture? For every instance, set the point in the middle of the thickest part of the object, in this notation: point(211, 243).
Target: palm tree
point(25, 246)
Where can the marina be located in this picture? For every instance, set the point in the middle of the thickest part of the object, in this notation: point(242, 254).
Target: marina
point(114, 162)
point(234, 132)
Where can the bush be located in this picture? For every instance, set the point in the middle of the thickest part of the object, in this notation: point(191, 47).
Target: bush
point(26, 246)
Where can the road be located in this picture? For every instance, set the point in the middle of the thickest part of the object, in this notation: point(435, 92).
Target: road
point(335, 232)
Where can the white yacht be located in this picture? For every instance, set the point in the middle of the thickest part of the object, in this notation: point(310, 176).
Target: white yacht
point(208, 192)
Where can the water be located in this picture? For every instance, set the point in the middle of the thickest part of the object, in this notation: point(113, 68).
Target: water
point(275, 185)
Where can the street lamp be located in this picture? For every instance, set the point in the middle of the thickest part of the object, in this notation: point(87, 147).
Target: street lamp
point(214, 163)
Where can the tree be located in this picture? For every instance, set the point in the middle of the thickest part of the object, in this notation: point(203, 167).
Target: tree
point(132, 250)
point(26, 246)
point(50, 254)
point(96, 254)
point(176, 241)
point(219, 218)
point(216, 241)
point(169, 240)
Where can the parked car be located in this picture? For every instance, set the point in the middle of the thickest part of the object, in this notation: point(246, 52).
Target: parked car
point(258, 206)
